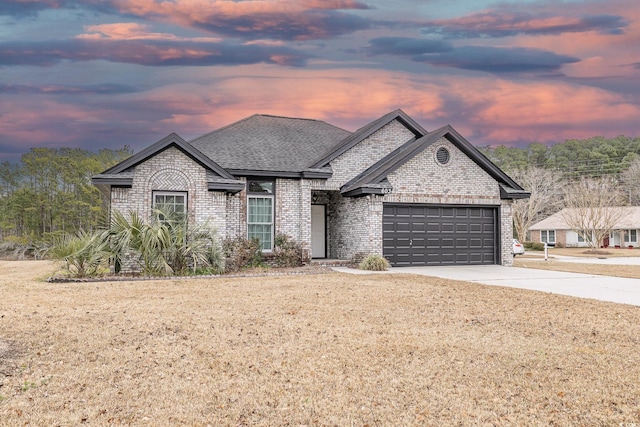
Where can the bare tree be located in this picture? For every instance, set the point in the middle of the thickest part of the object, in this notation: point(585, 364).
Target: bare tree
point(593, 207)
point(631, 182)
point(545, 187)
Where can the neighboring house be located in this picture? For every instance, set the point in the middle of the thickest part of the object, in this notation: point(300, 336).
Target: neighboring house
point(390, 188)
point(555, 231)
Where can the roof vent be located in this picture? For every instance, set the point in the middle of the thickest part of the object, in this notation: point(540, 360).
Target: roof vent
point(442, 156)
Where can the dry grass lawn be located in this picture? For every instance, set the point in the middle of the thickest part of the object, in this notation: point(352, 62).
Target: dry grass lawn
point(326, 349)
point(630, 271)
point(584, 252)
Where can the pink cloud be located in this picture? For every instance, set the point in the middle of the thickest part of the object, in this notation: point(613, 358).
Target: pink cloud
point(502, 112)
point(498, 22)
point(507, 111)
point(134, 31)
point(485, 110)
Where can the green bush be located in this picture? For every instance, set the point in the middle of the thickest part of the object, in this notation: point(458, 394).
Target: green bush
point(164, 245)
point(159, 246)
point(240, 253)
point(374, 263)
point(534, 246)
point(82, 254)
point(287, 252)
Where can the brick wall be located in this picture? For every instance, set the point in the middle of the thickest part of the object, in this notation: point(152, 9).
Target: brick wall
point(293, 210)
point(172, 170)
point(366, 153)
point(357, 229)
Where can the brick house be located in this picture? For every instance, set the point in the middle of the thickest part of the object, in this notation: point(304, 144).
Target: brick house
point(390, 188)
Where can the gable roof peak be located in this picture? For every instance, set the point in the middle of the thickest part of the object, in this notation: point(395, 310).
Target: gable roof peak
point(171, 140)
point(368, 130)
point(379, 171)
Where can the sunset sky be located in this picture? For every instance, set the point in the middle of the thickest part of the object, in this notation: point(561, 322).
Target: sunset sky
point(105, 73)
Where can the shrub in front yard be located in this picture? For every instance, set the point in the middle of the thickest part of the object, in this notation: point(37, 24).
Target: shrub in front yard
point(374, 263)
point(240, 252)
point(83, 254)
point(287, 252)
point(164, 244)
point(157, 246)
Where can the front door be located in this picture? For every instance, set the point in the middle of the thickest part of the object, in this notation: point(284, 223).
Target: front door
point(318, 231)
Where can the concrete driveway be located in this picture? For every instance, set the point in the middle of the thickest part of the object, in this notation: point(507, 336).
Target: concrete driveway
point(603, 288)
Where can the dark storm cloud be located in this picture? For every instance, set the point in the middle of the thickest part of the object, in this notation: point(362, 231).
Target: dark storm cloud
point(405, 46)
point(104, 89)
point(21, 8)
point(478, 58)
point(250, 20)
point(154, 53)
point(304, 25)
point(498, 60)
point(333, 4)
point(511, 23)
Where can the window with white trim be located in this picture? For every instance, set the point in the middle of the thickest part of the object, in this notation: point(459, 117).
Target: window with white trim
point(548, 236)
point(580, 238)
point(631, 236)
point(260, 212)
point(173, 202)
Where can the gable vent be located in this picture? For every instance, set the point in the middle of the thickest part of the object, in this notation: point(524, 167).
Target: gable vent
point(442, 156)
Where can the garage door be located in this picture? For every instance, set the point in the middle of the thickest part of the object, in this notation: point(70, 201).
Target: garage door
point(440, 235)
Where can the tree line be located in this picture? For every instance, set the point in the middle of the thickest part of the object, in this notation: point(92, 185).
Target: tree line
point(50, 191)
point(574, 158)
point(593, 177)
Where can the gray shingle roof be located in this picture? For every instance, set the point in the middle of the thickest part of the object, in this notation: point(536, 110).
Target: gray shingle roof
point(270, 143)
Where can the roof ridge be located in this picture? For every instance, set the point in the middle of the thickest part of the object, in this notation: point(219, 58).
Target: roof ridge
point(287, 117)
point(173, 139)
point(263, 115)
point(301, 118)
point(223, 127)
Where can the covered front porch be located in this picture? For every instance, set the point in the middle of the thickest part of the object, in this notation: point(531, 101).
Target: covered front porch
point(344, 228)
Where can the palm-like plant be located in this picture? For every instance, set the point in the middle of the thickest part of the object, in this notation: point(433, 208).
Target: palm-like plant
point(159, 246)
point(164, 244)
point(83, 254)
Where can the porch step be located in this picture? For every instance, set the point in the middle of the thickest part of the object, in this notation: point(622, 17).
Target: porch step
point(331, 262)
